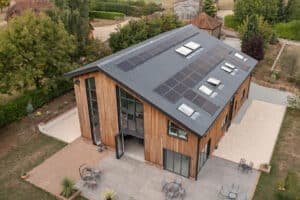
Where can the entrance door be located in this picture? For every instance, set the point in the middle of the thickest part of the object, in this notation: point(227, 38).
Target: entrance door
point(203, 155)
point(119, 139)
point(93, 110)
point(232, 102)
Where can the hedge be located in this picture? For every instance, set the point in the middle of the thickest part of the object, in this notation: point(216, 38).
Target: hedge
point(16, 109)
point(231, 22)
point(105, 15)
point(130, 8)
point(290, 30)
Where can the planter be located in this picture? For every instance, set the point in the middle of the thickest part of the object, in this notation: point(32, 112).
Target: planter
point(24, 176)
point(265, 168)
point(74, 195)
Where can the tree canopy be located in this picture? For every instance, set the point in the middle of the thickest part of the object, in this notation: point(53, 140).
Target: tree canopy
point(3, 4)
point(139, 30)
point(210, 8)
point(33, 51)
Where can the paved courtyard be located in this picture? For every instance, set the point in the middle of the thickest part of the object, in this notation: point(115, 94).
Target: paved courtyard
point(64, 127)
point(64, 163)
point(130, 178)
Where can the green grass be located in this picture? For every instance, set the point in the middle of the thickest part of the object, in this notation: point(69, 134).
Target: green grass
point(290, 30)
point(285, 159)
point(231, 22)
point(22, 159)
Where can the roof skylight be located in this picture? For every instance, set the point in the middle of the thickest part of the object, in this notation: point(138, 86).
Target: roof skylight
point(226, 69)
point(185, 109)
point(213, 81)
point(192, 45)
point(205, 90)
point(183, 51)
point(195, 115)
point(229, 65)
point(241, 57)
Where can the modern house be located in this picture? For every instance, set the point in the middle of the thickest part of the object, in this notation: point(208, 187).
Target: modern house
point(171, 97)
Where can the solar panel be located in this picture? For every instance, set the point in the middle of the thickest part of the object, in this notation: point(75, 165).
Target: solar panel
point(180, 88)
point(210, 107)
point(190, 82)
point(196, 77)
point(162, 89)
point(180, 76)
point(190, 94)
point(171, 82)
point(199, 101)
point(172, 96)
point(125, 66)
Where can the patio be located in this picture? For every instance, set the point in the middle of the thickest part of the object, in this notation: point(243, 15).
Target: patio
point(134, 179)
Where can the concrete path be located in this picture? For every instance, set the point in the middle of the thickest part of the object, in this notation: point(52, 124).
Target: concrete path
point(65, 127)
point(222, 13)
point(289, 42)
point(233, 42)
point(103, 32)
point(64, 163)
point(254, 138)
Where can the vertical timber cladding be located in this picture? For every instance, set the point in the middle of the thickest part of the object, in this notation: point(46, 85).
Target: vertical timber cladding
point(216, 132)
point(107, 105)
point(157, 138)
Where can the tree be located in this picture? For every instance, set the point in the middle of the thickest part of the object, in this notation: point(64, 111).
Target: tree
point(139, 30)
point(75, 16)
point(281, 11)
point(210, 8)
point(292, 11)
point(266, 8)
point(33, 51)
point(264, 29)
point(3, 4)
point(252, 41)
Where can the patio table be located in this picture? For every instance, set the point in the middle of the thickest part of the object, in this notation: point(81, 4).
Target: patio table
point(232, 195)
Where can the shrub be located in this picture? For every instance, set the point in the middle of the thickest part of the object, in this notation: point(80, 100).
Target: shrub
point(231, 22)
point(290, 30)
point(16, 109)
point(109, 195)
point(68, 187)
point(293, 103)
point(105, 15)
point(285, 195)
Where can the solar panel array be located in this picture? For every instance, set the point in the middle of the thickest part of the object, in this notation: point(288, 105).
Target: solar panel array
point(139, 59)
point(181, 84)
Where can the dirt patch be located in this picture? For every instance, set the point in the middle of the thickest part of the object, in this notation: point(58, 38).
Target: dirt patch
point(104, 22)
point(22, 131)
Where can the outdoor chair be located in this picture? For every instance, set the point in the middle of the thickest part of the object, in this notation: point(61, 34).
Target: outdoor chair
point(235, 188)
point(223, 193)
point(242, 163)
point(250, 166)
point(163, 185)
point(178, 181)
point(181, 193)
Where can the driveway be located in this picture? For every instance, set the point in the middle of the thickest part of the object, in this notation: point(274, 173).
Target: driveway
point(255, 129)
point(65, 127)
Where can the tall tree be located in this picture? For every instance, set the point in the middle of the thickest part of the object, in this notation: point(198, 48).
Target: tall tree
point(252, 41)
point(33, 51)
point(75, 16)
point(210, 7)
point(3, 4)
point(281, 11)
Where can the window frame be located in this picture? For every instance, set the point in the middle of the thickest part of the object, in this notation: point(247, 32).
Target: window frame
point(177, 135)
point(243, 94)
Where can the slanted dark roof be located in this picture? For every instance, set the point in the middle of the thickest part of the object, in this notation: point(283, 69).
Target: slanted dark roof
point(164, 78)
point(205, 21)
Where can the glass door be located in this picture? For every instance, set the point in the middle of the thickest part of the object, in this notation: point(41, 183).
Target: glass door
point(203, 155)
point(177, 163)
point(119, 139)
point(93, 110)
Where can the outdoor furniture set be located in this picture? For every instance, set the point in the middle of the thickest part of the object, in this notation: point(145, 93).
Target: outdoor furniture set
point(89, 176)
point(173, 189)
point(231, 193)
point(244, 166)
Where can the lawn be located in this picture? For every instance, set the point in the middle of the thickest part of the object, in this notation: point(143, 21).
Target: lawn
point(286, 158)
point(23, 158)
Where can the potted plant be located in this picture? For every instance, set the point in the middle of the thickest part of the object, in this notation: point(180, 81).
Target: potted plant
point(265, 168)
point(68, 190)
point(109, 195)
point(24, 175)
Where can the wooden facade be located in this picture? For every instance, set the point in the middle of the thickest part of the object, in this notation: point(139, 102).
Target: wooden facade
point(156, 136)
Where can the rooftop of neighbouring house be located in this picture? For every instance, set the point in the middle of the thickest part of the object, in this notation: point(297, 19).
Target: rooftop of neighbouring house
point(205, 21)
point(185, 73)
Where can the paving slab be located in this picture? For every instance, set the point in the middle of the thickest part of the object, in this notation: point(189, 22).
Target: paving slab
point(254, 138)
point(65, 163)
point(65, 127)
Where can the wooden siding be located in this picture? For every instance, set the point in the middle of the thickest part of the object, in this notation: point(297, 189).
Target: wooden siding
point(157, 138)
point(107, 105)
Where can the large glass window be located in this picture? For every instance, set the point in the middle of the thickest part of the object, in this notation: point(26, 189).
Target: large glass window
point(131, 114)
point(203, 155)
point(177, 163)
point(175, 131)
